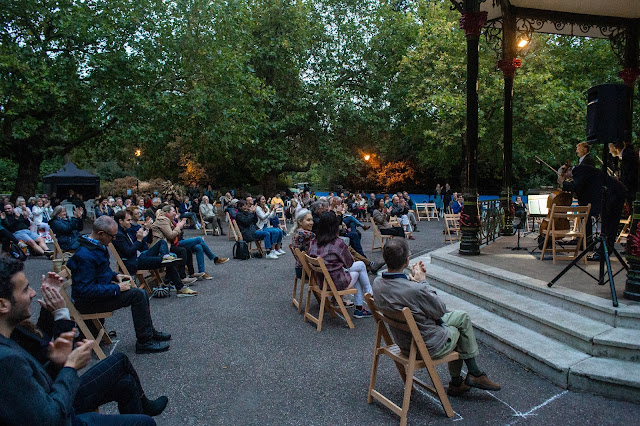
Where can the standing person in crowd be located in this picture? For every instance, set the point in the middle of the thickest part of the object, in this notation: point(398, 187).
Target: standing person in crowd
point(302, 235)
point(442, 331)
point(381, 217)
point(18, 225)
point(263, 213)
point(210, 193)
point(193, 191)
point(344, 271)
point(438, 199)
point(41, 216)
point(129, 243)
point(66, 229)
point(448, 194)
point(33, 394)
point(97, 288)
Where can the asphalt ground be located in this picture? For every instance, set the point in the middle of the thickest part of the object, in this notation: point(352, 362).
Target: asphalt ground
point(241, 355)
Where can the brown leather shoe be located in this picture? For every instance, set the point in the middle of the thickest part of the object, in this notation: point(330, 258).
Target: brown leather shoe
point(453, 390)
point(482, 382)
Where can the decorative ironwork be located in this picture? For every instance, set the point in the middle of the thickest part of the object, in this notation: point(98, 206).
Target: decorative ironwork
point(526, 26)
point(629, 75)
point(617, 39)
point(493, 36)
point(491, 219)
point(472, 22)
point(509, 66)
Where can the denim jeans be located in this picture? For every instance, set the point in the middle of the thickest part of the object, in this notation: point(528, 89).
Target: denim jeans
point(200, 248)
point(191, 216)
point(272, 236)
point(359, 280)
point(152, 259)
point(351, 222)
point(354, 238)
point(115, 420)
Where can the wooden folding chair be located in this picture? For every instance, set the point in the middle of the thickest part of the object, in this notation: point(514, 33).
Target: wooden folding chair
point(57, 251)
point(316, 264)
point(283, 219)
point(378, 237)
point(418, 358)
point(624, 233)
point(421, 212)
point(203, 225)
point(451, 227)
point(81, 318)
point(304, 279)
point(432, 212)
point(238, 237)
point(144, 276)
point(577, 217)
point(232, 229)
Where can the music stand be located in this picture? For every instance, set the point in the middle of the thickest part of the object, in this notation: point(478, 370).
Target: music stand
point(603, 249)
point(518, 223)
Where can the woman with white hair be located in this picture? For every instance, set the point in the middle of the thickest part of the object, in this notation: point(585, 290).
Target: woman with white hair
point(208, 212)
point(39, 211)
point(66, 229)
point(301, 235)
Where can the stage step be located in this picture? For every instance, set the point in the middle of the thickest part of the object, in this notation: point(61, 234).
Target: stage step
point(574, 330)
point(564, 365)
point(585, 305)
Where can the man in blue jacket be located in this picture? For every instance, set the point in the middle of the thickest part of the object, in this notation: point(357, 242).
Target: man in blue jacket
point(97, 288)
point(28, 394)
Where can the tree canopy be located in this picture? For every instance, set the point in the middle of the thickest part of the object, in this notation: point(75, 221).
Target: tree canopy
point(249, 91)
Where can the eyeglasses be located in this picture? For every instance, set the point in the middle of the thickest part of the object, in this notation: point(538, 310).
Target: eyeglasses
point(111, 235)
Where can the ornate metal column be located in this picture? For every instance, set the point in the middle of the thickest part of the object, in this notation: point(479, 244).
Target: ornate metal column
point(471, 22)
point(629, 75)
point(508, 64)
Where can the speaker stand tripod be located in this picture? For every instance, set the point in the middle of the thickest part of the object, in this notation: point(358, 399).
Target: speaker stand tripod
point(603, 249)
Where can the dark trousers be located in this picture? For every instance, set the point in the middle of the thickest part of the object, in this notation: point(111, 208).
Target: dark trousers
point(112, 379)
point(394, 230)
point(187, 260)
point(115, 420)
point(354, 238)
point(612, 220)
point(140, 312)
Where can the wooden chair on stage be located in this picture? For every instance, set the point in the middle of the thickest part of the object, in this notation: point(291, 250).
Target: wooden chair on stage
point(203, 225)
point(238, 236)
point(451, 227)
point(417, 358)
point(144, 276)
point(577, 217)
point(304, 279)
point(316, 264)
point(378, 237)
point(624, 233)
point(81, 319)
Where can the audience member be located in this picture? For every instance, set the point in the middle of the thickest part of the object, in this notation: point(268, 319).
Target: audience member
point(18, 225)
point(66, 229)
point(381, 217)
point(32, 394)
point(263, 213)
point(96, 288)
point(301, 236)
point(442, 331)
point(344, 271)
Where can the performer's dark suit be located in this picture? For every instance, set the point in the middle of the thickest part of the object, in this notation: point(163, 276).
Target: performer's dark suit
point(629, 172)
point(587, 184)
point(588, 160)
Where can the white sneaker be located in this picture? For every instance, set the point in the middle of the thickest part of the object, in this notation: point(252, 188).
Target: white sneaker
point(272, 255)
point(280, 252)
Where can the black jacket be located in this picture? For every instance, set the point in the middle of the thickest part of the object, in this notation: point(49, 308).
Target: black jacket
point(247, 224)
point(587, 184)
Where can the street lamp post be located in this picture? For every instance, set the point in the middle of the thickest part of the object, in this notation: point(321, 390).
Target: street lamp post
point(137, 153)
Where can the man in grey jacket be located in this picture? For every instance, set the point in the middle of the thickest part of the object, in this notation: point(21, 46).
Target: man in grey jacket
point(442, 331)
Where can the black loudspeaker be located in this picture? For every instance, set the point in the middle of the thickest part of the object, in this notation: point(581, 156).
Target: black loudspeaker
point(609, 113)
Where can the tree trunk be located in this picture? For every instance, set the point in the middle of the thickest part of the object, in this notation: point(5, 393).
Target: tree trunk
point(269, 183)
point(29, 163)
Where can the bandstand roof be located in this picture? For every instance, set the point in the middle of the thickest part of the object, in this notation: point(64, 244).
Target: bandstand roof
point(587, 18)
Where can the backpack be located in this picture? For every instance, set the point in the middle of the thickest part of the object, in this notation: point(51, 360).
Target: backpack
point(241, 250)
point(17, 252)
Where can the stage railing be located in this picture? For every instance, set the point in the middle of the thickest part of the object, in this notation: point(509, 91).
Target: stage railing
point(491, 217)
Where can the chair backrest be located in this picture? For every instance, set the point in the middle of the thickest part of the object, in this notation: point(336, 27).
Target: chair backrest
point(374, 227)
point(56, 247)
point(302, 257)
point(122, 269)
point(578, 214)
point(236, 231)
point(402, 321)
point(452, 220)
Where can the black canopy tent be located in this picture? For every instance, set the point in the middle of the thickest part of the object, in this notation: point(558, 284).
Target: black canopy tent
point(71, 177)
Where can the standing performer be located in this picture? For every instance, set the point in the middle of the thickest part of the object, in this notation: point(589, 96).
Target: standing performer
point(583, 150)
